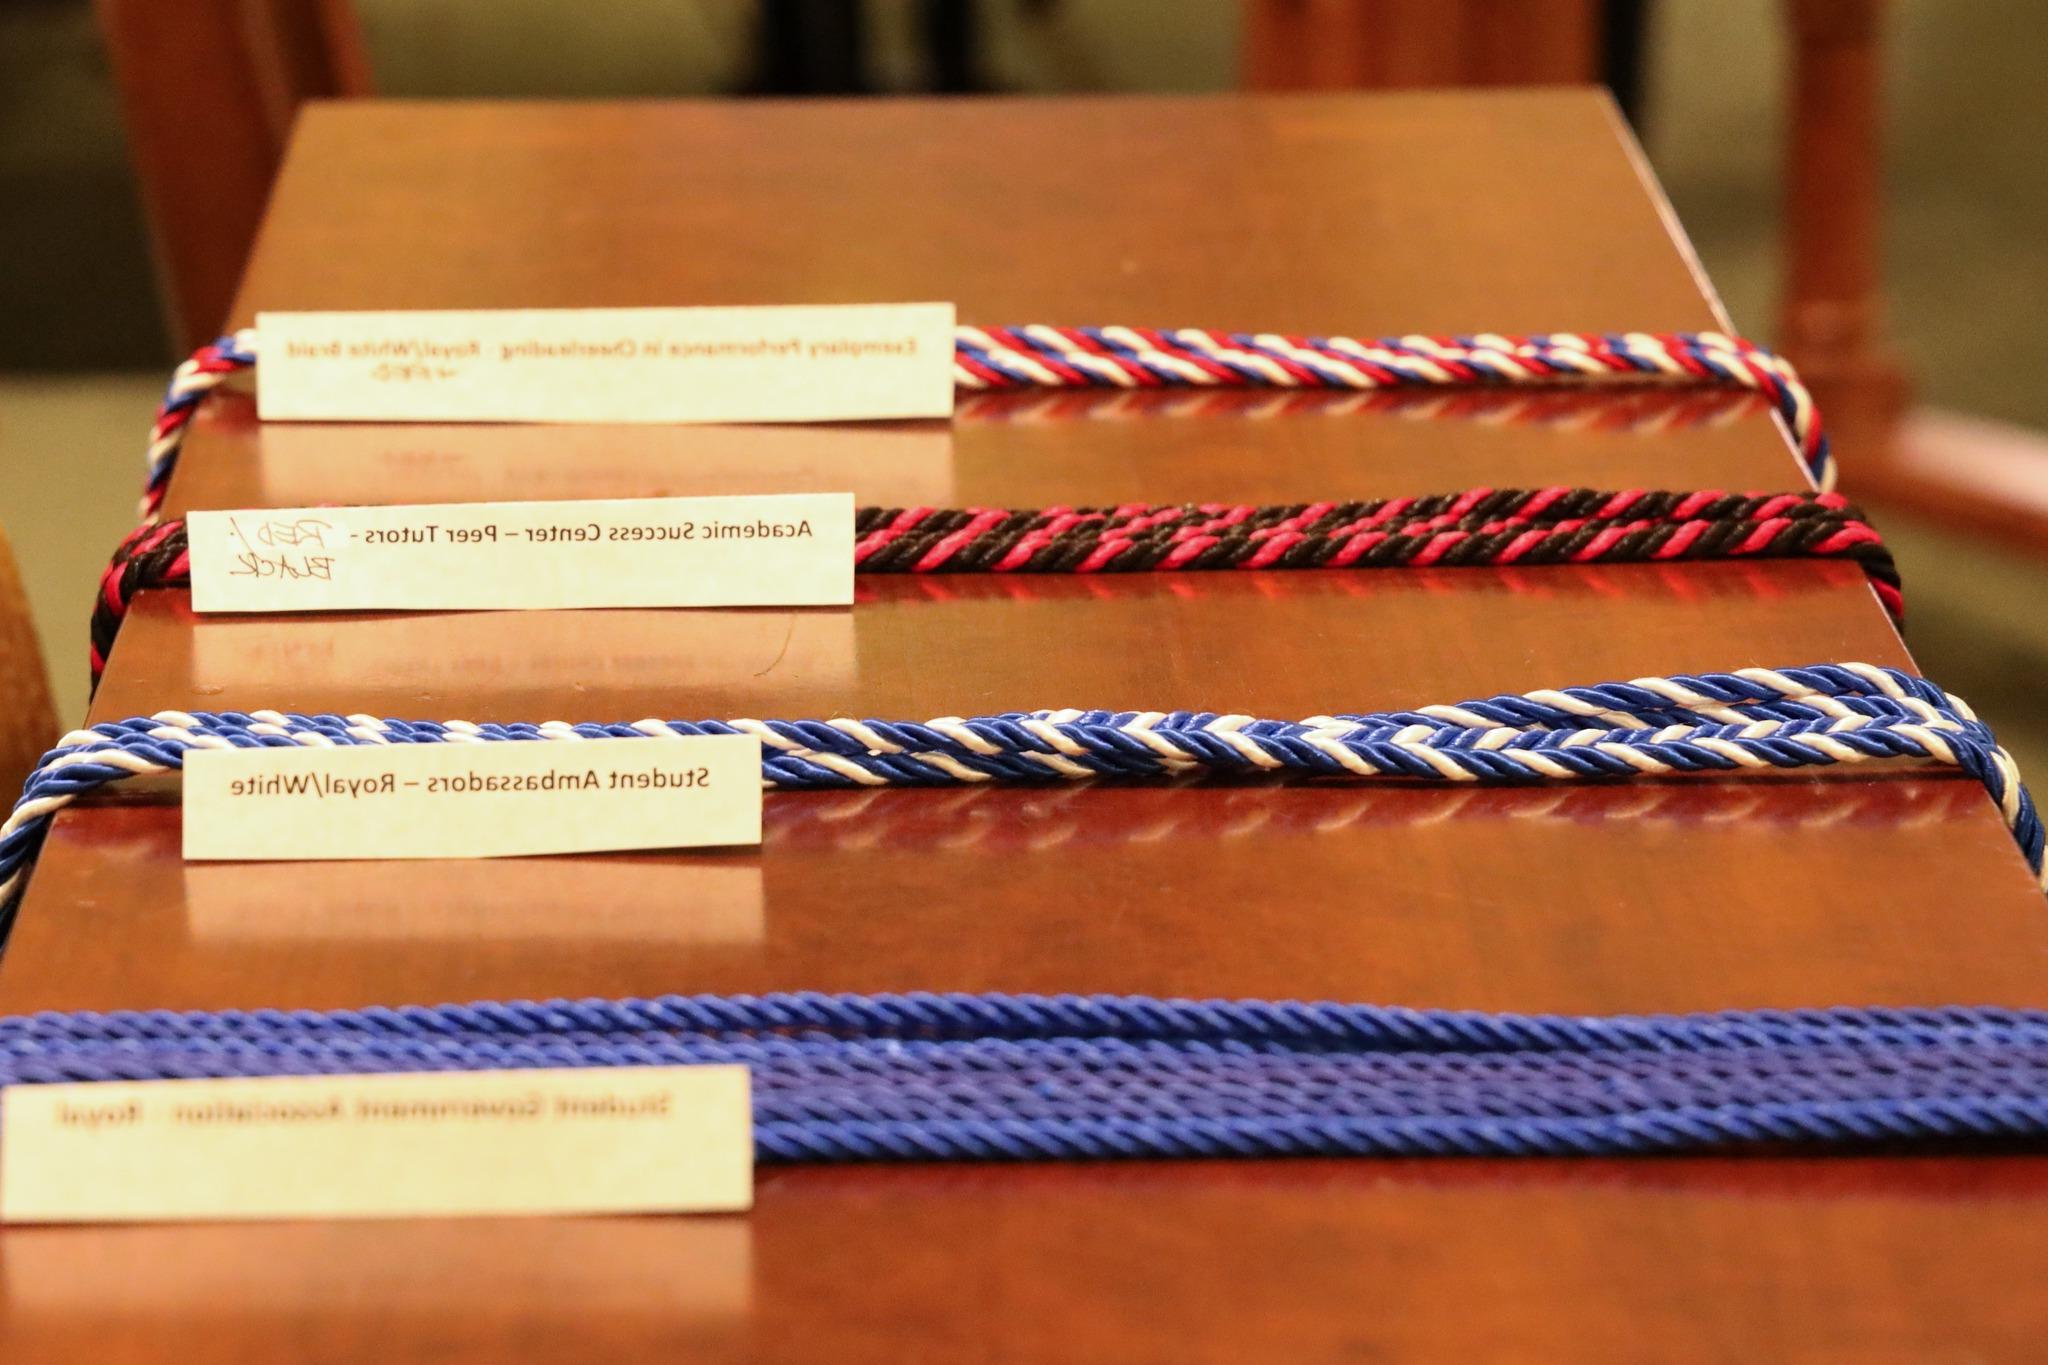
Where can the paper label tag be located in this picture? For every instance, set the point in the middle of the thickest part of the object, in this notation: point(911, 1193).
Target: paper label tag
point(658, 1139)
point(486, 800)
point(773, 550)
point(823, 363)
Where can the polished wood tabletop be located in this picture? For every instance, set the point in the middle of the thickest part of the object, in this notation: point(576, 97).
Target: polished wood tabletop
point(1366, 215)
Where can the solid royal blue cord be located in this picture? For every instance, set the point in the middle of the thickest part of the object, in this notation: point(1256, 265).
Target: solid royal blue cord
point(937, 1077)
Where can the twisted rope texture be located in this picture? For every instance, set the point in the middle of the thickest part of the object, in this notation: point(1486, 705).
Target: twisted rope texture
point(1818, 716)
point(987, 358)
point(1483, 527)
point(1637, 410)
point(993, 358)
point(922, 1077)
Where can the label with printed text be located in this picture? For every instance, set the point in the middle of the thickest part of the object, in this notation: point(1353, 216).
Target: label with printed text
point(472, 800)
point(804, 363)
point(771, 550)
point(658, 1139)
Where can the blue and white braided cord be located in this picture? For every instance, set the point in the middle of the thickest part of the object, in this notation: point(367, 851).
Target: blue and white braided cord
point(1812, 717)
point(938, 1077)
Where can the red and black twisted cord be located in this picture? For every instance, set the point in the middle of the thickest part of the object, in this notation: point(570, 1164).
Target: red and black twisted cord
point(1481, 527)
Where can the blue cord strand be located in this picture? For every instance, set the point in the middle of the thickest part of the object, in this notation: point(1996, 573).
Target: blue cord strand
point(941, 1077)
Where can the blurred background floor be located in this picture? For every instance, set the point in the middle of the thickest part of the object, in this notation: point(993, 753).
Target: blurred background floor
point(83, 356)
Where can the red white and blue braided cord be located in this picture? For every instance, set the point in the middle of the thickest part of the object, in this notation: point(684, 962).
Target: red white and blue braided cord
point(1818, 716)
point(930, 1077)
point(1144, 357)
point(996, 358)
point(1633, 409)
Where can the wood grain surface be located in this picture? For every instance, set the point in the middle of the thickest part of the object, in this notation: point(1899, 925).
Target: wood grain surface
point(1511, 212)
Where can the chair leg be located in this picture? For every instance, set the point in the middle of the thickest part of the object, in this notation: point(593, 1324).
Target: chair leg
point(1832, 320)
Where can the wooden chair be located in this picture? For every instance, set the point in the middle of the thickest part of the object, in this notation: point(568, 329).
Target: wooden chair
point(1404, 44)
point(208, 90)
point(28, 720)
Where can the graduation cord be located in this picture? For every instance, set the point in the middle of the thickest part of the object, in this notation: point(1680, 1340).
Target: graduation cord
point(910, 1077)
point(1637, 409)
point(1819, 716)
point(928, 1077)
point(205, 370)
point(1482, 527)
point(986, 358)
point(997, 358)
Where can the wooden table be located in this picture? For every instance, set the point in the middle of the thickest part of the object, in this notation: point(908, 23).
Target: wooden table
point(1522, 212)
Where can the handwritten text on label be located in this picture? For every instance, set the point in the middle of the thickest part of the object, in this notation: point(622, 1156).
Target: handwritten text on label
point(786, 549)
